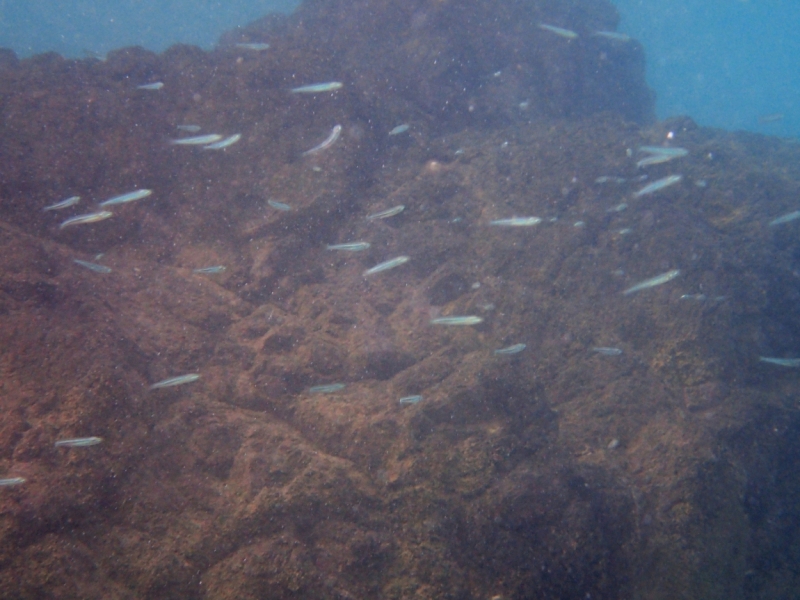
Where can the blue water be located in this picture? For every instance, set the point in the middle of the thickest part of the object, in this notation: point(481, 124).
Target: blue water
point(725, 63)
point(77, 27)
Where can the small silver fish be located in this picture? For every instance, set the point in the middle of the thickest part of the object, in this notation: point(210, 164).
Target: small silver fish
point(386, 265)
point(89, 218)
point(653, 282)
point(209, 270)
point(605, 351)
point(93, 54)
point(156, 85)
point(610, 179)
point(771, 118)
point(349, 246)
point(655, 159)
point(173, 381)
point(329, 141)
point(410, 400)
point(657, 185)
point(254, 46)
point(400, 129)
point(326, 389)
point(781, 362)
point(792, 216)
point(613, 35)
point(9, 481)
point(674, 152)
point(316, 88)
point(124, 198)
point(565, 33)
point(92, 266)
point(385, 214)
point(515, 349)
point(79, 442)
point(698, 297)
point(71, 201)
point(222, 144)
point(660, 154)
point(189, 128)
point(516, 222)
point(467, 320)
point(197, 140)
point(279, 205)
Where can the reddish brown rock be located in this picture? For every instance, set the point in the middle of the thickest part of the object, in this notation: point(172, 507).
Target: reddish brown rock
point(664, 471)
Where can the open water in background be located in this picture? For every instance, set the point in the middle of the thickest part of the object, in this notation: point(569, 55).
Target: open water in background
point(731, 64)
point(725, 63)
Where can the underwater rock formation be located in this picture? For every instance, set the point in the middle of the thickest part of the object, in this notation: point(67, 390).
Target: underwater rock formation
point(634, 447)
point(470, 63)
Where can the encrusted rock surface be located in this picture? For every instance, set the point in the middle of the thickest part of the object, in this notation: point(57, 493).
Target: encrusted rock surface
point(558, 472)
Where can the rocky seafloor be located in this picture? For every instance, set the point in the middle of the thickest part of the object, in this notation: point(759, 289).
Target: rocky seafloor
point(666, 470)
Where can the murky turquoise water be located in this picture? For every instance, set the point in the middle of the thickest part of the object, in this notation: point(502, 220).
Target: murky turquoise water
point(727, 63)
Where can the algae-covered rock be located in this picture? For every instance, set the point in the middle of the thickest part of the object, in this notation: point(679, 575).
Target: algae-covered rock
point(632, 446)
